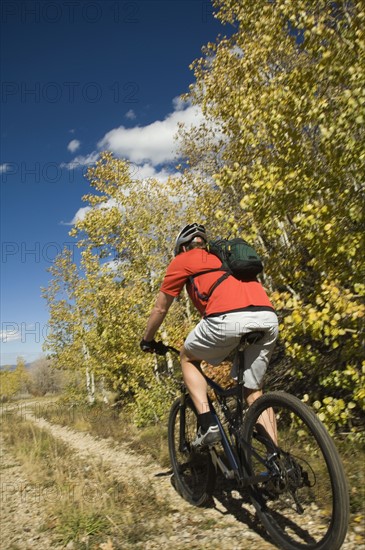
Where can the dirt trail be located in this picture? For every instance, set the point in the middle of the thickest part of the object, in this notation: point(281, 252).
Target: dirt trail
point(233, 527)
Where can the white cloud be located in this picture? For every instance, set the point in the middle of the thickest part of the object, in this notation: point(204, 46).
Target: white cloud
point(3, 168)
point(82, 212)
point(73, 145)
point(146, 147)
point(10, 335)
point(146, 171)
point(154, 143)
point(143, 173)
point(131, 115)
point(80, 215)
point(179, 104)
point(81, 160)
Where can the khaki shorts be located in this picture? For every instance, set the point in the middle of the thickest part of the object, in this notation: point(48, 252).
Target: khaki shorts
point(214, 338)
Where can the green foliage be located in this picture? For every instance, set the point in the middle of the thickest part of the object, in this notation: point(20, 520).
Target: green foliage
point(286, 92)
point(153, 403)
point(8, 385)
point(13, 382)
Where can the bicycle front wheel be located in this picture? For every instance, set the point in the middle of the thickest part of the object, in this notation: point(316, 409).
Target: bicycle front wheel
point(194, 473)
point(302, 499)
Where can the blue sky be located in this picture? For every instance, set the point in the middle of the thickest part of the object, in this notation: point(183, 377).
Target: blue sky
point(79, 77)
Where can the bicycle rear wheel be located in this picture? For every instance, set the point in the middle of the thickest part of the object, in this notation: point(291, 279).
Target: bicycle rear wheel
point(303, 502)
point(194, 473)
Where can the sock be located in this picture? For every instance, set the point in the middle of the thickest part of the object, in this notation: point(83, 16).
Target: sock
point(206, 420)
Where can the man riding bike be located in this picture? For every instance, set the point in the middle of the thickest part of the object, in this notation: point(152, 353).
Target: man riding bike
point(234, 308)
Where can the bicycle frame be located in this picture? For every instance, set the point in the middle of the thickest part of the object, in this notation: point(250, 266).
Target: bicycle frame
point(233, 442)
point(232, 450)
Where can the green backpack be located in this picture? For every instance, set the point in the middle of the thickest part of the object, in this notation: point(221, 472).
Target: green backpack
point(238, 259)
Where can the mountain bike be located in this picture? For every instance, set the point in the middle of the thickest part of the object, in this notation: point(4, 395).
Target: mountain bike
point(297, 485)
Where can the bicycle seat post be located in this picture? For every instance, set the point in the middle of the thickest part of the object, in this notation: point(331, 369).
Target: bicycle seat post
point(241, 364)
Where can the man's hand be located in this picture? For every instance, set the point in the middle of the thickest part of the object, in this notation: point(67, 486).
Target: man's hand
point(153, 347)
point(147, 346)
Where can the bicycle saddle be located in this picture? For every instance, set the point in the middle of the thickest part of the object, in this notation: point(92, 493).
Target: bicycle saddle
point(251, 337)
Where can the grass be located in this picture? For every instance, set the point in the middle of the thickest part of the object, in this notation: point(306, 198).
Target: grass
point(76, 525)
point(104, 422)
point(353, 458)
point(84, 503)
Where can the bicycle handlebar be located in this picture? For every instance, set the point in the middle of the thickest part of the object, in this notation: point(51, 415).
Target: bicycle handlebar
point(157, 347)
point(163, 349)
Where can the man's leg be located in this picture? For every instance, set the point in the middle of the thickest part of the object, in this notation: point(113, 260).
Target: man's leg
point(208, 432)
point(267, 418)
point(194, 381)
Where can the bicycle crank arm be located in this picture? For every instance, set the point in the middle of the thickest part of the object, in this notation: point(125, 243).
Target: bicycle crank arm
point(254, 480)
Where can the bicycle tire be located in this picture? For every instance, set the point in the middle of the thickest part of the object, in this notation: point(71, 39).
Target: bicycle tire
point(193, 472)
point(306, 505)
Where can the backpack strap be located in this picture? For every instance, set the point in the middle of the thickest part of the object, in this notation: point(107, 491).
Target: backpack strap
point(205, 297)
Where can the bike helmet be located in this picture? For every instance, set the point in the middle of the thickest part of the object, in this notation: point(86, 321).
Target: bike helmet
point(187, 234)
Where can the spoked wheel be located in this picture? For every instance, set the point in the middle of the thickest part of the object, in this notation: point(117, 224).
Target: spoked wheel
point(303, 498)
point(194, 473)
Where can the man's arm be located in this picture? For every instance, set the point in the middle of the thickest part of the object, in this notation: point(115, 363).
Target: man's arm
point(158, 314)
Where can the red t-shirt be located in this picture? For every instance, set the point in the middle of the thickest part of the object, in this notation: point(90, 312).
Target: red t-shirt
point(230, 295)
